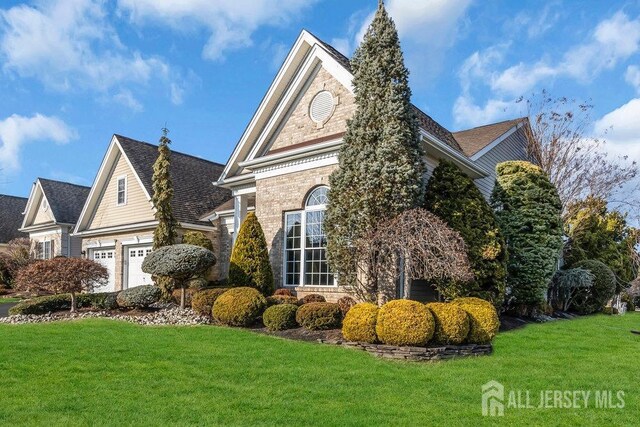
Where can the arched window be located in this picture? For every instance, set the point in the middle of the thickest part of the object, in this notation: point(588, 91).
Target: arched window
point(306, 243)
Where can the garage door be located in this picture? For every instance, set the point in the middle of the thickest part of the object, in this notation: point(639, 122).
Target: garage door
point(135, 276)
point(107, 257)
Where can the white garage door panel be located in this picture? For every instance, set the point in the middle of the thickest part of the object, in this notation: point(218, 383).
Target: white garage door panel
point(135, 276)
point(107, 258)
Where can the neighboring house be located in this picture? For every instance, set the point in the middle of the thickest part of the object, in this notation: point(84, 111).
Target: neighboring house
point(11, 210)
point(287, 152)
point(51, 215)
point(117, 221)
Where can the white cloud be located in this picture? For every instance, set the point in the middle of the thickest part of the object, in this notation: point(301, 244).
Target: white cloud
point(632, 76)
point(621, 129)
point(126, 98)
point(230, 23)
point(466, 112)
point(16, 130)
point(70, 45)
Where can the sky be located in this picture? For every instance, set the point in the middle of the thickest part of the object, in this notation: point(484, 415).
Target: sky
point(74, 72)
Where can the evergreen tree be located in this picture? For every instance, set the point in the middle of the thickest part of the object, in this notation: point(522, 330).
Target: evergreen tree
point(250, 264)
point(528, 211)
point(452, 195)
point(165, 232)
point(596, 233)
point(380, 162)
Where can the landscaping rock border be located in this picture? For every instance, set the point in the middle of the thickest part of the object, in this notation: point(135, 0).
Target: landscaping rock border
point(420, 354)
point(168, 316)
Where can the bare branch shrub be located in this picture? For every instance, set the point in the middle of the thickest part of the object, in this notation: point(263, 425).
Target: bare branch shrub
point(415, 244)
point(16, 256)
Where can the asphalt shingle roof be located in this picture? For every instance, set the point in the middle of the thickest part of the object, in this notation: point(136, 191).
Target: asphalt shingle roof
point(66, 200)
point(475, 139)
point(194, 193)
point(11, 209)
point(424, 120)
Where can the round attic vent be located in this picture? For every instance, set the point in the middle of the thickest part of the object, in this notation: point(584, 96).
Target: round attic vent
point(321, 107)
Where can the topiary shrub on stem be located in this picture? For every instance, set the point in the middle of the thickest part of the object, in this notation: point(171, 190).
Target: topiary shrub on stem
point(180, 263)
point(62, 275)
point(405, 323)
point(528, 211)
point(249, 264)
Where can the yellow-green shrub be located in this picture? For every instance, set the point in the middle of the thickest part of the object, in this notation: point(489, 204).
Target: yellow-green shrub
point(202, 301)
point(404, 322)
point(281, 299)
point(319, 315)
point(239, 306)
point(280, 317)
point(360, 323)
point(484, 321)
point(452, 323)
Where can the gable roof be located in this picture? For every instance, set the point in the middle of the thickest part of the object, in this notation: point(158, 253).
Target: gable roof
point(11, 210)
point(192, 179)
point(65, 199)
point(475, 139)
point(424, 120)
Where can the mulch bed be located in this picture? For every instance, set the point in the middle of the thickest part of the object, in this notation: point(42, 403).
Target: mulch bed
point(301, 334)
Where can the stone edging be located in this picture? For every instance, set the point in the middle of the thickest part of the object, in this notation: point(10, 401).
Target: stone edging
point(416, 353)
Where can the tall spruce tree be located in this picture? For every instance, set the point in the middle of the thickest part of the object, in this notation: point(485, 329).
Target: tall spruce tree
point(165, 232)
point(381, 161)
point(452, 195)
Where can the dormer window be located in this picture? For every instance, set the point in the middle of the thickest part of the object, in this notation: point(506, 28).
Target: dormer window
point(122, 190)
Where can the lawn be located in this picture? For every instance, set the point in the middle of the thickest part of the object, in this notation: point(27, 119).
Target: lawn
point(103, 372)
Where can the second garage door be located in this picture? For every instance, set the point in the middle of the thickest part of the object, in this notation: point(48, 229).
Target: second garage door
point(135, 276)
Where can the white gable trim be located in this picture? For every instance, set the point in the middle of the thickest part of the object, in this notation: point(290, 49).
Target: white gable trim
point(100, 181)
point(474, 171)
point(497, 141)
point(306, 52)
point(29, 213)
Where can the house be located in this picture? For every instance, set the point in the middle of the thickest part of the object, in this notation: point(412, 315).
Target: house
point(281, 165)
point(11, 210)
point(117, 220)
point(50, 217)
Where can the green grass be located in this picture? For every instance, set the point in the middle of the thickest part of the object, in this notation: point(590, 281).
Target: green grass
point(104, 372)
point(5, 300)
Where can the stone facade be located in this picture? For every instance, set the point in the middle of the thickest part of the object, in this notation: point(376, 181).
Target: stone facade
point(298, 126)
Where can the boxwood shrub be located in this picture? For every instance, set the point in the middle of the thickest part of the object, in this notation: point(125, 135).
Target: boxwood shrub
point(202, 301)
point(452, 323)
point(319, 316)
point(280, 317)
point(281, 299)
point(139, 297)
point(360, 323)
point(404, 323)
point(239, 306)
point(62, 302)
point(312, 298)
point(483, 319)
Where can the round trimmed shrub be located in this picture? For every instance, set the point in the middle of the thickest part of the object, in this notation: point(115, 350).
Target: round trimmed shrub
point(283, 291)
point(593, 299)
point(312, 298)
point(197, 238)
point(452, 323)
point(202, 301)
point(139, 297)
point(280, 317)
point(345, 304)
point(319, 316)
point(239, 306)
point(405, 323)
point(178, 261)
point(360, 323)
point(281, 299)
point(483, 319)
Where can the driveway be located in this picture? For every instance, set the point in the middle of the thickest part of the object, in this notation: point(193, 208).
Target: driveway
point(4, 308)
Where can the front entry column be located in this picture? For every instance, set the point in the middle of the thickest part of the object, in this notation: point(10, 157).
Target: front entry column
point(239, 212)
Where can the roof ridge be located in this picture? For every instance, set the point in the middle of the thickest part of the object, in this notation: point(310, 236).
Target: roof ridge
point(62, 182)
point(493, 124)
point(14, 197)
point(172, 151)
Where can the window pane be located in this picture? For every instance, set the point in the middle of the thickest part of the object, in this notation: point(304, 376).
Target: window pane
point(316, 268)
point(318, 197)
point(293, 228)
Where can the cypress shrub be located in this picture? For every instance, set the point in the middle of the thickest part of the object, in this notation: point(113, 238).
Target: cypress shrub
point(452, 196)
point(197, 238)
point(319, 315)
point(483, 319)
point(202, 301)
point(594, 298)
point(360, 323)
point(528, 211)
point(249, 265)
point(452, 323)
point(404, 322)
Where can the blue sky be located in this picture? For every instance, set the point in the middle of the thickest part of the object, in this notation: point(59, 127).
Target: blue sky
point(73, 72)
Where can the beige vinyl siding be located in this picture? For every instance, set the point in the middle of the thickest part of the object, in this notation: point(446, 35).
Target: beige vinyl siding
point(137, 208)
point(512, 148)
point(42, 216)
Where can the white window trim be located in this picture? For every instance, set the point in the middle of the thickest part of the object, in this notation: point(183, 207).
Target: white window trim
point(126, 188)
point(303, 233)
point(43, 253)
